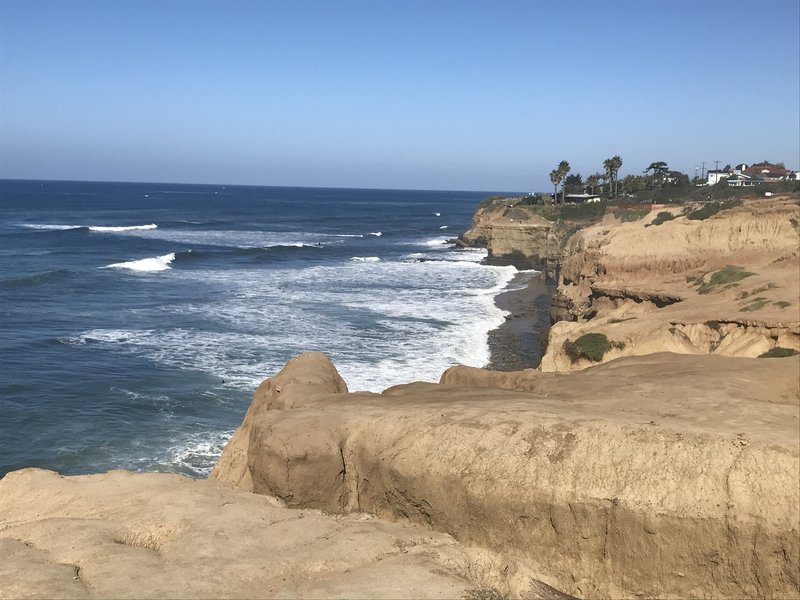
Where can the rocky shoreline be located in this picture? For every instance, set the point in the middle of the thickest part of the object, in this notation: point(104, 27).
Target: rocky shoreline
point(660, 460)
point(519, 343)
point(695, 280)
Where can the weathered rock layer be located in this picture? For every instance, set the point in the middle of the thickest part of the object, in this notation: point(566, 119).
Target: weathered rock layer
point(728, 285)
point(127, 535)
point(666, 475)
point(518, 237)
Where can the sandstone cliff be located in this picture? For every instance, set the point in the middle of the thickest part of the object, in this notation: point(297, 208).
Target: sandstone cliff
point(728, 284)
point(516, 236)
point(659, 476)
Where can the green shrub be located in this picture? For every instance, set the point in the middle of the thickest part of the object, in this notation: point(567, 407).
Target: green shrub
point(715, 325)
point(628, 215)
point(779, 352)
point(728, 275)
point(484, 593)
point(662, 217)
point(755, 304)
point(591, 346)
point(782, 304)
point(709, 209)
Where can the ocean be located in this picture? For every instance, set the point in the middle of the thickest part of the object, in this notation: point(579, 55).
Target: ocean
point(137, 319)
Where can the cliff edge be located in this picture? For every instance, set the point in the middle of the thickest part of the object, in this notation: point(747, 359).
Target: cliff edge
point(726, 284)
point(658, 476)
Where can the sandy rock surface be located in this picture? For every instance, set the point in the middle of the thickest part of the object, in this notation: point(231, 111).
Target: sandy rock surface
point(126, 535)
point(663, 476)
point(650, 288)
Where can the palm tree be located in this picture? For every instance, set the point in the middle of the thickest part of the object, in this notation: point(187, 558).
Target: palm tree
point(612, 166)
point(563, 169)
point(608, 175)
point(555, 179)
point(592, 181)
point(557, 175)
point(616, 164)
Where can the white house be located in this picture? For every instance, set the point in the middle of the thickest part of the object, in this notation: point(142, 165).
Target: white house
point(581, 198)
point(715, 176)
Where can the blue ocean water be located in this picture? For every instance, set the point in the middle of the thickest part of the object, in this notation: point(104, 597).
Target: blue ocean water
point(137, 319)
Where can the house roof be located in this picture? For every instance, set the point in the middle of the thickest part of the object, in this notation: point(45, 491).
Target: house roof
point(765, 168)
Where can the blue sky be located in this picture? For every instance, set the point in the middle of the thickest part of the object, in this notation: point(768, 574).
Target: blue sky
point(441, 94)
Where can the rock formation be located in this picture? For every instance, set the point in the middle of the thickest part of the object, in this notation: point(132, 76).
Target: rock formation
point(515, 236)
point(126, 535)
point(728, 284)
point(658, 476)
point(646, 285)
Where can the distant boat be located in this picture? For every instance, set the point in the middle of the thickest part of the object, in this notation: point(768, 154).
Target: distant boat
point(438, 214)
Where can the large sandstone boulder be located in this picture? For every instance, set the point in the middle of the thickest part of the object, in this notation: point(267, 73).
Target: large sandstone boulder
point(657, 476)
point(304, 377)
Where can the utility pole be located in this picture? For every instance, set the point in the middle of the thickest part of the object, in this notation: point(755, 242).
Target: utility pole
point(716, 165)
point(703, 172)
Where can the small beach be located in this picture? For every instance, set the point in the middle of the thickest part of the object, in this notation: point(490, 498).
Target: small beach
point(518, 342)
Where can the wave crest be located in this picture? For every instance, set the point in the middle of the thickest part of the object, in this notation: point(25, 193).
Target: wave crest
point(117, 229)
point(155, 263)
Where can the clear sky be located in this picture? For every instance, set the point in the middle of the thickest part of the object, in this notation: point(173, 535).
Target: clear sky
point(440, 94)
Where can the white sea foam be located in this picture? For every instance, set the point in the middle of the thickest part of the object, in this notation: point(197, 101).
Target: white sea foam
point(50, 227)
point(366, 259)
point(121, 229)
point(436, 242)
point(382, 322)
point(377, 233)
point(199, 452)
point(443, 227)
point(238, 239)
point(155, 263)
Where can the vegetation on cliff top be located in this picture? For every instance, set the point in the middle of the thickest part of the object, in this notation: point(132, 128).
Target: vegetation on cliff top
point(710, 209)
point(591, 346)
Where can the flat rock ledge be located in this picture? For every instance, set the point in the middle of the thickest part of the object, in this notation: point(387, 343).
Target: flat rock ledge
point(664, 475)
point(137, 535)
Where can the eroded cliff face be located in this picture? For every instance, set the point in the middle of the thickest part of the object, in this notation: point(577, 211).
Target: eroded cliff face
point(620, 480)
point(513, 235)
point(725, 285)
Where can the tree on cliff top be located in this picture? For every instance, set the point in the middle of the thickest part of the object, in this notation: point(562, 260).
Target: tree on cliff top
point(592, 181)
point(555, 179)
point(659, 169)
point(612, 166)
point(574, 183)
point(557, 175)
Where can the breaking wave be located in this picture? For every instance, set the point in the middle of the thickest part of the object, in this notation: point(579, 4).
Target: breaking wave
point(153, 264)
point(95, 228)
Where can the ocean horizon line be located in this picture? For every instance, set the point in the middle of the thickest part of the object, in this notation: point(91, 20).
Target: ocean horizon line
point(248, 185)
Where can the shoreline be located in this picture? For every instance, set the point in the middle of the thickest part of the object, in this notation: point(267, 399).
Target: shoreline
point(518, 342)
